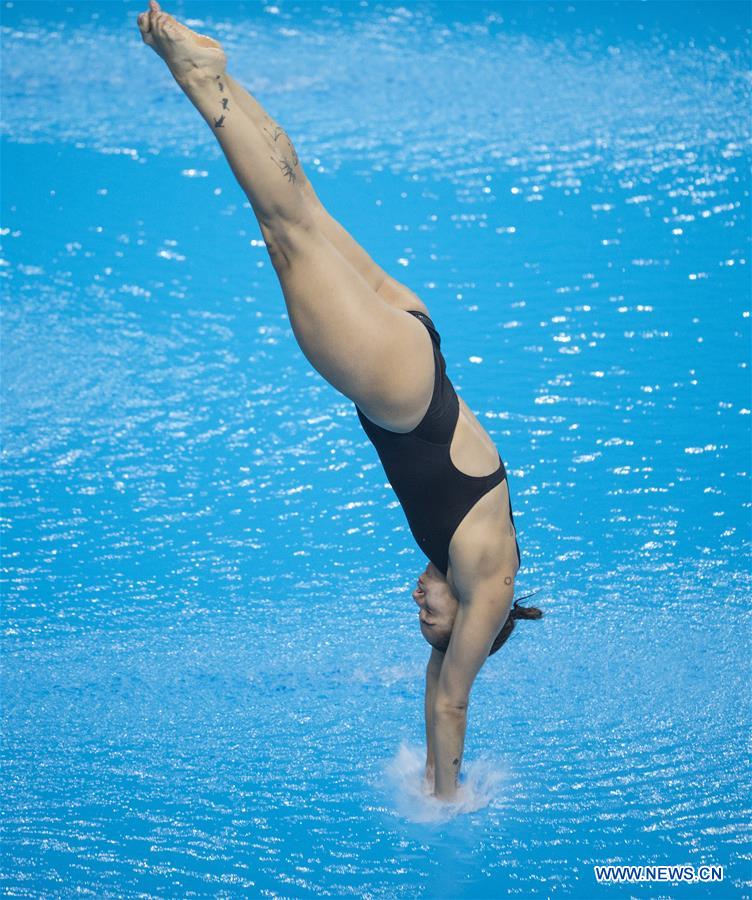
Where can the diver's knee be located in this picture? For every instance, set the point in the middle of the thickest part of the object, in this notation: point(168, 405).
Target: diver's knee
point(285, 239)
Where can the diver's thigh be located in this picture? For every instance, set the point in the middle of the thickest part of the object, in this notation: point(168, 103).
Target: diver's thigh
point(377, 355)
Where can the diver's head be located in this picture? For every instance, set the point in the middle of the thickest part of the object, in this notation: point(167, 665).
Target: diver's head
point(438, 609)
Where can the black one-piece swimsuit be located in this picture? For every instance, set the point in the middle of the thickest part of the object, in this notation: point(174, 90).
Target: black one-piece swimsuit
point(435, 495)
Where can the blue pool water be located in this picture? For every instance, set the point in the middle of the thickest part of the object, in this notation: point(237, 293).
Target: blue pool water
point(212, 668)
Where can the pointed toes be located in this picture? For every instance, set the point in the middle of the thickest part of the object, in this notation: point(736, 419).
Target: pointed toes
point(157, 24)
point(144, 26)
point(170, 28)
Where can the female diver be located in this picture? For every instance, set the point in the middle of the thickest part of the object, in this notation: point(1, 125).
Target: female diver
point(373, 339)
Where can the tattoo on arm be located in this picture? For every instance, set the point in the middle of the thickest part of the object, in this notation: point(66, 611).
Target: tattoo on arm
point(220, 122)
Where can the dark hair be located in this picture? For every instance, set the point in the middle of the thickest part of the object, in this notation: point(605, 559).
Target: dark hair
point(516, 612)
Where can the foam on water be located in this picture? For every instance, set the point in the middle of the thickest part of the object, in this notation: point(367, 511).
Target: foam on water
point(480, 785)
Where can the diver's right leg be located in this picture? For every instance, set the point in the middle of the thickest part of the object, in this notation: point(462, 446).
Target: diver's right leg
point(389, 289)
point(373, 353)
point(361, 261)
point(263, 160)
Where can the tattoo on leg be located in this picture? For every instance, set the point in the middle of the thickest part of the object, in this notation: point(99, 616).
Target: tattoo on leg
point(220, 122)
point(295, 159)
point(287, 163)
point(278, 132)
point(275, 133)
point(225, 103)
point(286, 168)
point(507, 580)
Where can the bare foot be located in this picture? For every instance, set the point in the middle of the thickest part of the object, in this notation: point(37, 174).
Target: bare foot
point(185, 52)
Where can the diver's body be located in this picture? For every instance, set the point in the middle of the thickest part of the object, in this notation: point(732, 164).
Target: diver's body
point(366, 334)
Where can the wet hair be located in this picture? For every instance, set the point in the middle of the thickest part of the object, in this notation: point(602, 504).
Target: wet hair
point(516, 612)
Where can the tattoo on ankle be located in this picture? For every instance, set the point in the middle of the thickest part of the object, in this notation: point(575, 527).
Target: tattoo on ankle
point(220, 122)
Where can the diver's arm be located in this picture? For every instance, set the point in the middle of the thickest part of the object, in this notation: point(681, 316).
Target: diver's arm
point(432, 680)
point(483, 609)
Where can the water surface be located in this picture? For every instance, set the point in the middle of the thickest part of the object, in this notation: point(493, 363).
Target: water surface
point(212, 667)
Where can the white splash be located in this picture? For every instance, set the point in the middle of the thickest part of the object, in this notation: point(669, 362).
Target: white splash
point(480, 784)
